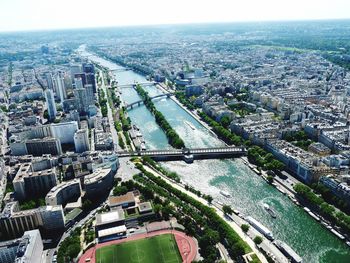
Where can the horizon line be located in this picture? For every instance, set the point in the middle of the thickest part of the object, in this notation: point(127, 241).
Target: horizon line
point(170, 24)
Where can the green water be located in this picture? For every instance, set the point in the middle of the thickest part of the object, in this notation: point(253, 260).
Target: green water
point(308, 238)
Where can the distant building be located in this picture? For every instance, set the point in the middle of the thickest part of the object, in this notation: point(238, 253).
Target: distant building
point(195, 90)
point(81, 141)
point(27, 249)
point(50, 103)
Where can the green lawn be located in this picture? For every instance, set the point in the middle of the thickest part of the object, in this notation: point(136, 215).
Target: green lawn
point(159, 249)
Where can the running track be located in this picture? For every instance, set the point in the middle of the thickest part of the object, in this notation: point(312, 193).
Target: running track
point(187, 246)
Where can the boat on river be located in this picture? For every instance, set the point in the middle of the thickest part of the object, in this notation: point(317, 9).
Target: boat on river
point(288, 251)
point(190, 124)
point(226, 194)
point(270, 210)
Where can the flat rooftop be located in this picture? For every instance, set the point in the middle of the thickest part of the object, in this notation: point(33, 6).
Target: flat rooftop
point(110, 217)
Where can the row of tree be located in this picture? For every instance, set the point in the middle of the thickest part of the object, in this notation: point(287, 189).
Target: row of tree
point(328, 211)
point(222, 132)
point(102, 102)
point(173, 138)
point(200, 215)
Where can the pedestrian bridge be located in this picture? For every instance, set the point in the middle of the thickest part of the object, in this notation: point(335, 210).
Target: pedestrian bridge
point(187, 154)
point(139, 102)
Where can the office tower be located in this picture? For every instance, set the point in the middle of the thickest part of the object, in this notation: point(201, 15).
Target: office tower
point(64, 131)
point(50, 103)
point(74, 69)
point(78, 82)
point(38, 147)
point(82, 100)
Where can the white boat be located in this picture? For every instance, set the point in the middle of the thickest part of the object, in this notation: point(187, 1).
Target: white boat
point(226, 194)
point(348, 243)
point(269, 210)
point(306, 209)
point(260, 227)
point(314, 216)
point(337, 234)
point(288, 252)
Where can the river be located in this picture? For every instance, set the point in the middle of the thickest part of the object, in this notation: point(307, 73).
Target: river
point(307, 237)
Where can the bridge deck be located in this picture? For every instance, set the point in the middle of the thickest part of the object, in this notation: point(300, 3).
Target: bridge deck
point(181, 153)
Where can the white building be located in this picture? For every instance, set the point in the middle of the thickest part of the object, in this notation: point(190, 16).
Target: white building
point(81, 141)
point(64, 131)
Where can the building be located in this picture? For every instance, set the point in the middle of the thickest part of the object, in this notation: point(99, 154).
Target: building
point(81, 141)
point(31, 183)
point(60, 88)
point(63, 193)
point(110, 225)
point(38, 147)
point(13, 222)
point(195, 90)
point(64, 131)
point(50, 104)
point(319, 149)
point(99, 182)
point(338, 188)
point(27, 249)
point(123, 201)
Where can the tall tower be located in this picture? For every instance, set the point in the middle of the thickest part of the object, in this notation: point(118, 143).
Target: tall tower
point(50, 103)
point(61, 89)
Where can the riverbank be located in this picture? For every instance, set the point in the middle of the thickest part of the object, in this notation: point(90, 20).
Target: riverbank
point(248, 191)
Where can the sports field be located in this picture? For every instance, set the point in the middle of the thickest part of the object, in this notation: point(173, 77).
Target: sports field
point(160, 249)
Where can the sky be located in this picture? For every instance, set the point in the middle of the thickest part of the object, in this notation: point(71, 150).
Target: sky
point(19, 15)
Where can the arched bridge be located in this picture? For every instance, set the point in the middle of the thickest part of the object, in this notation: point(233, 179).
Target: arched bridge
point(188, 154)
point(139, 102)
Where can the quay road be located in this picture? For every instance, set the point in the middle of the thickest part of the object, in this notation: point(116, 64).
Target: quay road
point(235, 224)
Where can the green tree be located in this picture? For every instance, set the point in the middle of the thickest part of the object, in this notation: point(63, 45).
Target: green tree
point(257, 240)
point(227, 209)
point(245, 228)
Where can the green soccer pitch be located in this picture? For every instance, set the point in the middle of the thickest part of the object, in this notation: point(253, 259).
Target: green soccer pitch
point(160, 249)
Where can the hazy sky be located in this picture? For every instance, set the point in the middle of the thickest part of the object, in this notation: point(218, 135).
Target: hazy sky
point(47, 14)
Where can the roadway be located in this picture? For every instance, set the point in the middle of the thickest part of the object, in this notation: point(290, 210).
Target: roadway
point(109, 114)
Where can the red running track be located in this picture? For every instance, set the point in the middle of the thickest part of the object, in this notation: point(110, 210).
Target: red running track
point(187, 246)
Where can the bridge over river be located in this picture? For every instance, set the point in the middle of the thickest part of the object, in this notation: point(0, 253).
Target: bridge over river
point(139, 102)
point(187, 154)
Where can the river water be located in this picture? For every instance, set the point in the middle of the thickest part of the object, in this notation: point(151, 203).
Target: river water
point(307, 237)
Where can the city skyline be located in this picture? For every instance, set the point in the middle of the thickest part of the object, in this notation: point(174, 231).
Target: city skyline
point(19, 15)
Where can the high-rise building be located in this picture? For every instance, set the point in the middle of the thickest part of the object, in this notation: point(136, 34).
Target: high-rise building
point(61, 88)
point(50, 103)
point(27, 249)
point(82, 99)
point(49, 80)
point(81, 141)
